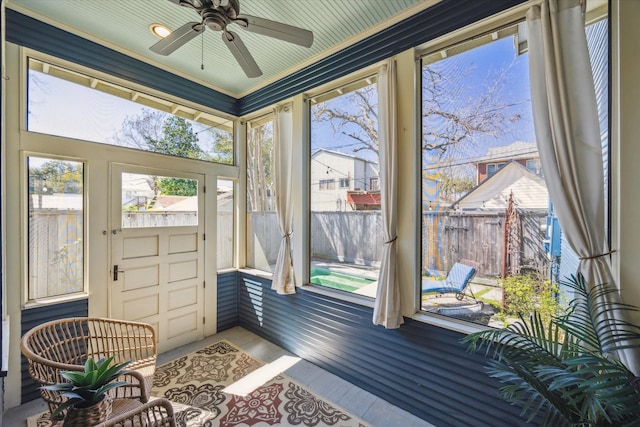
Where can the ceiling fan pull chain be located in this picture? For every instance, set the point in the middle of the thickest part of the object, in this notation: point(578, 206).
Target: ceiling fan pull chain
point(202, 51)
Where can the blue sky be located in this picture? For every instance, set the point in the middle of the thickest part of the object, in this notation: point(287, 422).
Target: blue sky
point(59, 107)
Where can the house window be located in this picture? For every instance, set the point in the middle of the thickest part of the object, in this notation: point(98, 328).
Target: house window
point(263, 232)
point(373, 184)
point(345, 239)
point(327, 184)
point(56, 226)
point(67, 103)
point(492, 168)
point(487, 231)
point(533, 166)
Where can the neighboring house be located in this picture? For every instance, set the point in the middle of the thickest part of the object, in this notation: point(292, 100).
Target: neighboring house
point(529, 191)
point(525, 153)
point(335, 174)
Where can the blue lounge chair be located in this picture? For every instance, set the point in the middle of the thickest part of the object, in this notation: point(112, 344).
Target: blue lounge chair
point(456, 282)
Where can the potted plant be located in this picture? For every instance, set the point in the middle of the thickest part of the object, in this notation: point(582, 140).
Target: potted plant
point(87, 400)
point(567, 370)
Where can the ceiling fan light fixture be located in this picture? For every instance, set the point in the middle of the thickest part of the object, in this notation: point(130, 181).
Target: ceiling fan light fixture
point(159, 30)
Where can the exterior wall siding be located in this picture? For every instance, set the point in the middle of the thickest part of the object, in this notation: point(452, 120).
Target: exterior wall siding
point(35, 316)
point(418, 367)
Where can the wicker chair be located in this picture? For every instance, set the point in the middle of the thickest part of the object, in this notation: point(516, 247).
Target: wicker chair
point(156, 413)
point(65, 344)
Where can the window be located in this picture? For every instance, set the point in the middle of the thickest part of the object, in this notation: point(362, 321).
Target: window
point(327, 184)
point(476, 113)
point(158, 201)
point(476, 121)
point(373, 184)
point(55, 228)
point(533, 166)
point(263, 233)
point(492, 168)
point(225, 228)
point(346, 235)
point(67, 103)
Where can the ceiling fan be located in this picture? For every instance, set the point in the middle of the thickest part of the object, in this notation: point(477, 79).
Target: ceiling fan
point(217, 14)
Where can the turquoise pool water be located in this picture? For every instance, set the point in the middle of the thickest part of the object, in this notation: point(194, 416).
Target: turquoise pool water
point(342, 281)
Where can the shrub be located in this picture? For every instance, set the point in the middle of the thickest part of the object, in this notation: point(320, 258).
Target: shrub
point(525, 294)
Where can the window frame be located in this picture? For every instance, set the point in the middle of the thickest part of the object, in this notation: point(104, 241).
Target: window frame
point(340, 87)
point(172, 102)
point(260, 118)
point(475, 31)
point(24, 219)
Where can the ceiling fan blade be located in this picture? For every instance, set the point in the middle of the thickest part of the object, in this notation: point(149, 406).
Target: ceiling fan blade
point(242, 55)
point(277, 30)
point(176, 39)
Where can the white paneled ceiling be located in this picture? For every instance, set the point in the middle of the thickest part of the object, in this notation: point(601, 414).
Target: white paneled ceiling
point(123, 25)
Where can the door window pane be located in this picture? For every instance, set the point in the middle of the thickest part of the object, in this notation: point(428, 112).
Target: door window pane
point(56, 227)
point(158, 201)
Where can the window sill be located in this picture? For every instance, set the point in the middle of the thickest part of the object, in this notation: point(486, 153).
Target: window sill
point(449, 323)
point(343, 296)
point(54, 300)
point(255, 272)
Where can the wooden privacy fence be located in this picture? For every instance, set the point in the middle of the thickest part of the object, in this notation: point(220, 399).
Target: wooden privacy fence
point(356, 237)
point(56, 246)
point(55, 252)
point(480, 237)
point(349, 237)
point(138, 219)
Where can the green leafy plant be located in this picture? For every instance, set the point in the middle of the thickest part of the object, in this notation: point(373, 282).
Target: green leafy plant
point(88, 387)
point(566, 369)
point(524, 294)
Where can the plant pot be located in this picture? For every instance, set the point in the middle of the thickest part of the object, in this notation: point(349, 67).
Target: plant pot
point(79, 416)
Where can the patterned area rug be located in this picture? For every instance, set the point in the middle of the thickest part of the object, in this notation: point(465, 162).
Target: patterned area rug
point(194, 384)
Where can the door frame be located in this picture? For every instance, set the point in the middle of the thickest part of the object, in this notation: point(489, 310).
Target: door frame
point(207, 214)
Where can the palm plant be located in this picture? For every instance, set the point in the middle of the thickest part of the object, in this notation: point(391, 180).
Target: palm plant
point(90, 386)
point(567, 369)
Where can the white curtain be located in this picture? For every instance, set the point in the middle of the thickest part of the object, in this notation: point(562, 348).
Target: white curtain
point(283, 278)
point(387, 310)
point(568, 135)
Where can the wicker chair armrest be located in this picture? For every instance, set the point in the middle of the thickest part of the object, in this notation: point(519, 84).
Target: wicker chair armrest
point(156, 413)
point(137, 388)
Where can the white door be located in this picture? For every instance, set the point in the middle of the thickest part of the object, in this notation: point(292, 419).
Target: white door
point(157, 251)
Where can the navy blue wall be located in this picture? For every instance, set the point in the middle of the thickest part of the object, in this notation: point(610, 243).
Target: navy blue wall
point(227, 305)
point(418, 367)
point(36, 316)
